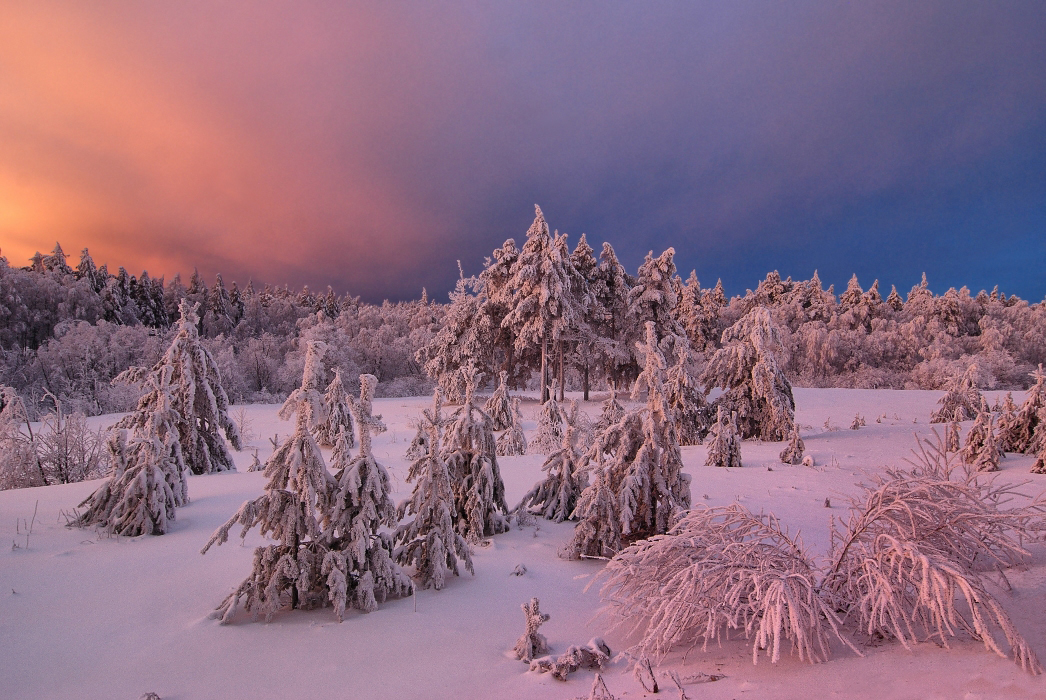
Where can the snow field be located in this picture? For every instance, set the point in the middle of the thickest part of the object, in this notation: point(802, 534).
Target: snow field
point(87, 616)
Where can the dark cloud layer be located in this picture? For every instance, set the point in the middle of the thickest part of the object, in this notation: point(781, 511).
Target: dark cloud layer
point(369, 146)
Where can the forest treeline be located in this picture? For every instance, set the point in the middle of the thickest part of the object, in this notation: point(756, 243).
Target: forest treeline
point(69, 331)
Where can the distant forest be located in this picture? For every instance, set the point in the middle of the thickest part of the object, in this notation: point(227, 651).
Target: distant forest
point(68, 331)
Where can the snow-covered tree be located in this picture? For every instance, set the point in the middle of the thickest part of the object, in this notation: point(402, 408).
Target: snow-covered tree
point(532, 644)
point(549, 435)
point(963, 400)
point(337, 416)
point(748, 370)
point(611, 412)
point(989, 454)
point(541, 287)
point(951, 438)
point(429, 542)
point(1006, 421)
point(513, 442)
point(497, 406)
point(361, 506)
point(19, 462)
point(555, 497)
point(598, 532)
point(147, 481)
point(689, 409)
point(1021, 432)
point(188, 378)
point(295, 510)
point(470, 453)
point(724, 447)
point(793, 452)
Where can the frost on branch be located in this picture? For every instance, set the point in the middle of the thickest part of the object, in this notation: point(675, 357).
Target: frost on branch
point(498, 407)
point(721, 569)
point(532, 644)
point(749, 372)
point(555, 497)
point(793, 453)
point(336, 416)
point(187, 379)
point(724, 447)
point(550, 426)
point(513, 442)
point(470, 453)
point(429, 542)
point(963, 400)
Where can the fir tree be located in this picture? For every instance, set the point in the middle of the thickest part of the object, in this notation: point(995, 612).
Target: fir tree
point(963, 400)
point(1007, 419)
point(188, 378)
point(688, 407)
point(755, 387)
point(295, 511)
point(497, 406)
point(988, 456)
point(724, 449)
point(793, 453)
point(361, 507)
point(550, 426)
point(598, 532)
point(429, 542)
point(611, 412)
point(513, 442)
point(1020, 433)
point(337, 416)
point(555, 497)
point(470, 453)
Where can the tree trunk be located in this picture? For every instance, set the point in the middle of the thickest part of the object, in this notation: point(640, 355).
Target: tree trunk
point(585, 380)
point(544, 370)
point(560, 373)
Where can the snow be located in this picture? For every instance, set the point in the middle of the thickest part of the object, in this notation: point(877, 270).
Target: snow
point(87, 616)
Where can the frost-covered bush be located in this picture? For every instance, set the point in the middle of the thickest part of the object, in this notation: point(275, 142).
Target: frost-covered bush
point(793, 452)
point(532, 644)
point(906, 564)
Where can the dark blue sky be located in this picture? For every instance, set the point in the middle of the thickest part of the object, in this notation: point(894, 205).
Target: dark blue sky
point(370, 148)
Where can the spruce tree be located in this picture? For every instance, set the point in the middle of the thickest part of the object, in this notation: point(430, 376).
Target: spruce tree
point(1020, 433)
point(687, 403)
point(429, 542)
point(470, 453)
point(962, 401)
point(513, 442)
point(555, 497)
point(793, 453)
point(497, 406)
point(724, 447)
point(189, 377)
point(337, 416)
point(550, 426)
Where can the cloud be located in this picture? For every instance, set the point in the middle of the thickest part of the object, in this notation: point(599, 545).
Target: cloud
point(368, 147)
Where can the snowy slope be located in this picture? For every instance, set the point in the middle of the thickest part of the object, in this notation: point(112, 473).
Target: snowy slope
point(85, 616)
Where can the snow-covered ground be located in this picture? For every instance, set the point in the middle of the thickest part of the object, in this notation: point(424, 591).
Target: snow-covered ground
point(85, 616)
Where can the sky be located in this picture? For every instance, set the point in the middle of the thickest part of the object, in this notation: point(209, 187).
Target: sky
point(369, 146)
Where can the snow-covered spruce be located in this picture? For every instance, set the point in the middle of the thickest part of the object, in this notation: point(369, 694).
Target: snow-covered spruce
point(337, 416)
point(978, 438)
point(555, 497)
point(963, 400)
point(532, 644)
point(361, 506)
point(550, 427)
point(793, 452)
point(858, 422)
point(611, 413)
point(421, 446)
point(498, 406)
point(146, 484)
point(1029, 416)
point(470, 453)
point(686, 401)
point(584, 430)
point(989, 454)
point(187, 378)
point(952, 440)
point(513, 442)
point(724, 447)
point(1007, 419)
point(748, 371)
point(19, 461)
point(294, 510)
point(637, 470)
point(429, 542)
